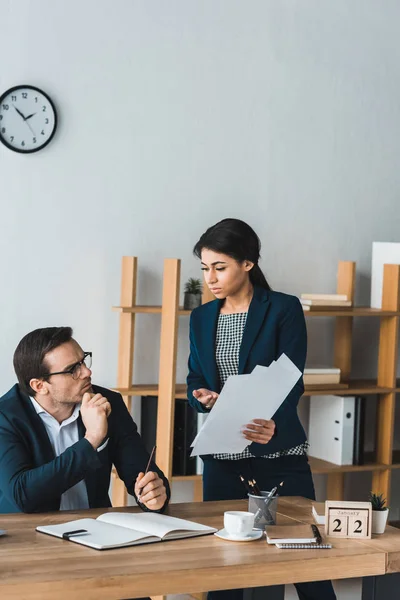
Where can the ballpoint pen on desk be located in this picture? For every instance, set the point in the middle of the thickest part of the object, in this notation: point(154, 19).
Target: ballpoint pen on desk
point(147, 468)
point(317, 534)
point(271, 496)
point(273, 492)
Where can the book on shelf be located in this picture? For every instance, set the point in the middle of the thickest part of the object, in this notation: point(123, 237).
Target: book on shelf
point(325, 303)
point(117, 530)
point(310, 305)
point(321, 376)
point(318, 512)
point(325, 297)
point(365, 435)
point(359, 430)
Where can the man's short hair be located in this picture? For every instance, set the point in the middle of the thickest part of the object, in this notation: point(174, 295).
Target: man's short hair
point(29, 356)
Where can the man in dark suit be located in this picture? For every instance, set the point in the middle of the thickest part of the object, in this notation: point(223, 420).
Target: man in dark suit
point(60, 435)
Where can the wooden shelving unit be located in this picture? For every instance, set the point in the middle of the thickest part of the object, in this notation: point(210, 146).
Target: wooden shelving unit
point(166, 389)
point(385, 385)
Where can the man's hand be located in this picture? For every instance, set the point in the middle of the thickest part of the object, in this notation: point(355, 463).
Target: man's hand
point(206, 397)
point(94, 412)
point(150, 490)
point(259, 430)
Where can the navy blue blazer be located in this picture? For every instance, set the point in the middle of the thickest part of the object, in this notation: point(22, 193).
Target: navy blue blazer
point(32, 478)
point(275, 324)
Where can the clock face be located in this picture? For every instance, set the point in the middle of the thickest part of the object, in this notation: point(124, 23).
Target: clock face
point(28, 119)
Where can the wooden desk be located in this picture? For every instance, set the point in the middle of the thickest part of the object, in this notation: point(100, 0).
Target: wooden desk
point(39, 567)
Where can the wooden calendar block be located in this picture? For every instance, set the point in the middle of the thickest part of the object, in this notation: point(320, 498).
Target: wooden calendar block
point(338, 523)
point(358, 525)
point(348, 519)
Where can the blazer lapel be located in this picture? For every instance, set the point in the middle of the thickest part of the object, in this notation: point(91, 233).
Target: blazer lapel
point(257, 311)
point(40, 430)
point(90, 476)
point(207, 346)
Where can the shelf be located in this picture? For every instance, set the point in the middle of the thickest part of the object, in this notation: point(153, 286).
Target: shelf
point(187, 477)
point(358, 311)
point(150, 310)
point(357, 387)
point(319, 466)
point(151, 389)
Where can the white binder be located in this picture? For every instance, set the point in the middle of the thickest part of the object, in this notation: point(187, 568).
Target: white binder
point(331, 428)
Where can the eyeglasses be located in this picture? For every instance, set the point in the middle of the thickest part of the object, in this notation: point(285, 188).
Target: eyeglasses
point(75, 370)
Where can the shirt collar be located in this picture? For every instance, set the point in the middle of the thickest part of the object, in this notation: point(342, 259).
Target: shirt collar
point(40, 410)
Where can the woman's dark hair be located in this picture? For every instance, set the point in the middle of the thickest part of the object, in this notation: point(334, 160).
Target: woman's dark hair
point(29, 356)
point(238, 240)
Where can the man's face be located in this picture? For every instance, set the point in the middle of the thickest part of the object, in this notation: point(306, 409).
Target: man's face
point(64, 389)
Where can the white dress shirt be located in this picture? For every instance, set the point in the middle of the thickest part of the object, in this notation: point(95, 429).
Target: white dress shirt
point(62, 436)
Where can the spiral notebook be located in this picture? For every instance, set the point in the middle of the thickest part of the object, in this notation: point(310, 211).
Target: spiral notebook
point(304, 546)
point(296, 537)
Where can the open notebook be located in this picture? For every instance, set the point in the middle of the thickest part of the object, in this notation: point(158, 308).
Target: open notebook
point(116, 530)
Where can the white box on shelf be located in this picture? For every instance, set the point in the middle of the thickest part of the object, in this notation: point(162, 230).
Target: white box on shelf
point(383, 253)
point(331, 428)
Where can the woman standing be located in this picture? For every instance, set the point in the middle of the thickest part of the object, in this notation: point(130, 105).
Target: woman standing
point(248, 325)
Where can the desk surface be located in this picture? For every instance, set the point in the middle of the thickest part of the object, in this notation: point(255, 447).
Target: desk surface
point(39, 567)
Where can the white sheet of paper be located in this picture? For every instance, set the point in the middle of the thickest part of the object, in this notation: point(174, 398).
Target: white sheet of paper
point(242, 399)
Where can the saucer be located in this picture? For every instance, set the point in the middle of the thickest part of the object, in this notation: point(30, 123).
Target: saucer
point(224, 535)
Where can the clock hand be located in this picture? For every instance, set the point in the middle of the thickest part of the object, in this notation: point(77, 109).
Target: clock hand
point(30, 127)
point(28, 117)
point(19, 112)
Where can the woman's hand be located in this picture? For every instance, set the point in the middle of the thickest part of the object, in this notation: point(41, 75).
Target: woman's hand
point(259, 430)
point(206, 397)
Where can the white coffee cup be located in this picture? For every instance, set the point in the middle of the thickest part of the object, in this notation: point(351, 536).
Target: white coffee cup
point(238, 523)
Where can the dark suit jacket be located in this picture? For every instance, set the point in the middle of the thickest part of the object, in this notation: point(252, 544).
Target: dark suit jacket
point(32, 478)
point(275, 324)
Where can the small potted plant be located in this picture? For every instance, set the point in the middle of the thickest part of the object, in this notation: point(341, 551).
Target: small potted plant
point(193, 289)
point(380, 512)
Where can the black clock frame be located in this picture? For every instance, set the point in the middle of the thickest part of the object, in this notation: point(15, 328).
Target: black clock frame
point(36, 89)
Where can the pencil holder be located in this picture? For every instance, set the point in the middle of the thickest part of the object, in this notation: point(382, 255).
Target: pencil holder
point(264, 509)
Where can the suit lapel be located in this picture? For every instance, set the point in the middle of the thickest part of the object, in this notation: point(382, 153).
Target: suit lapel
point(40, 430)
point(90, 480)
point(207, 347)
point(255, 318)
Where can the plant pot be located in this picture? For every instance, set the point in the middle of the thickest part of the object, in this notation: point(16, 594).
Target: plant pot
point(379, 520)
point(191, 301)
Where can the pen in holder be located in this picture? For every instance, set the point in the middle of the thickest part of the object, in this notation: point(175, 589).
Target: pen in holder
point(264, 509)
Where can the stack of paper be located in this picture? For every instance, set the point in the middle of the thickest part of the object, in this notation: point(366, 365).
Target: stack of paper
point(242, 399)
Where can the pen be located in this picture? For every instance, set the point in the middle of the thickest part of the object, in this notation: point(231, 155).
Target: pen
point(273, 491)
point(147, 468)
point(317, 534)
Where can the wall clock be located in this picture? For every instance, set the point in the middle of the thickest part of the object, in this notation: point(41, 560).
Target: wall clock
point(28, 119)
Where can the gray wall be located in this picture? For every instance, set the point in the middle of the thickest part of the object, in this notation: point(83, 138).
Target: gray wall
point(174, 115)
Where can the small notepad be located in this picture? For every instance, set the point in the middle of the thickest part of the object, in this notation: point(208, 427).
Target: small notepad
point(290, 534)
